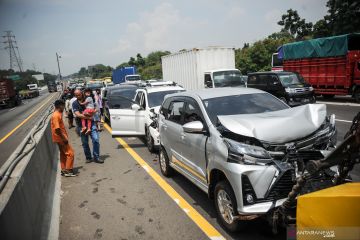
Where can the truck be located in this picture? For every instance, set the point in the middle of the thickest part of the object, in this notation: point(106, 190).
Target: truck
point(52, 86)
point(31, 92)
point(199, 68)
point(125, 75)
point(9, 96)
point(331, 65)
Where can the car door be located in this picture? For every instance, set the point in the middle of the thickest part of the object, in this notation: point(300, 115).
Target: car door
point(127, 118)
point(193, 157)
point(172, 129)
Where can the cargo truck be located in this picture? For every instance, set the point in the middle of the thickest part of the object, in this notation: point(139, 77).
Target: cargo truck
point(331, 65)
point(52, 86)
point(125, 75)
point(199, 68)
point(31, 92)
point(9, 96)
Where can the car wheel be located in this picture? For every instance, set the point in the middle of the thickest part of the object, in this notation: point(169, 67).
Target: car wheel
point(226, 206)
point(165, 168)
point(149, 141)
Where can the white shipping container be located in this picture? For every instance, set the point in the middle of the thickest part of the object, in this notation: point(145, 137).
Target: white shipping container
point(187, 68)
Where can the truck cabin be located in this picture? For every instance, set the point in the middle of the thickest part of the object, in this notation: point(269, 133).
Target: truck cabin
point(223, 78)
point(32, 86)
point(132, 78)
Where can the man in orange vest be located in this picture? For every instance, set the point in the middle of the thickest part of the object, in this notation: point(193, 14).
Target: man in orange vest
point(60, 136)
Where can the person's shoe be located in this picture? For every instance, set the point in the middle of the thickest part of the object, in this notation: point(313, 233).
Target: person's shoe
point(83, 130)
point(88, 161)
point(98, 161)
point(70, 173)
point(62, 172)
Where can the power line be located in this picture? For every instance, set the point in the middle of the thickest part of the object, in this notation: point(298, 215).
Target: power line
point(14, 54)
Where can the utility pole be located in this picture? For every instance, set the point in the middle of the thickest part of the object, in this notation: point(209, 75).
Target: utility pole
point(57, 58)
point(15, 59)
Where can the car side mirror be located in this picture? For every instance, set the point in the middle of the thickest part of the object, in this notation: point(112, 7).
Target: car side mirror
point(193, 127)
point(135, 107)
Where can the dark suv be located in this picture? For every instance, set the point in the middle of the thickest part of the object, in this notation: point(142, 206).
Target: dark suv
point(290, 87)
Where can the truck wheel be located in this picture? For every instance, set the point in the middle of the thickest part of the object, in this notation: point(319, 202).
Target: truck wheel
point(357, 95)
point(165, 168)
point(226, 206)
point(328, 96)
point(149, 141)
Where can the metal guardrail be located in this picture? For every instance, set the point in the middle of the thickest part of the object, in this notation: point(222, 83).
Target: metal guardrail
point(26, 147)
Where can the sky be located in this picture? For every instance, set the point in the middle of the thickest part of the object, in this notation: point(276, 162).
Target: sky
point(87, 32)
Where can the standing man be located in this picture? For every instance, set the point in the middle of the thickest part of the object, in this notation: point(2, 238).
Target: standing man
point(69, 111)
point(78, 112)
point(60, 136)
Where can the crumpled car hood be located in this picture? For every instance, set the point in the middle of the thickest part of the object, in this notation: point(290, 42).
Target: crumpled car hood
point(278, 126)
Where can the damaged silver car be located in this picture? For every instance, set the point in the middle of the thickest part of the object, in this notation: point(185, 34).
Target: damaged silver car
point(242, 146)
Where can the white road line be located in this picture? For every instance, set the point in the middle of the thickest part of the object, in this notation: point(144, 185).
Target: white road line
point(340, 120)
point(340, 104)
point(12, 109)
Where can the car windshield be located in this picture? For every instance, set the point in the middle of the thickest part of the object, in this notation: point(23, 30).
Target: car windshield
point(228, 79)
point(128, 93)
point(156, 98)
point(94, 85)
point(133, 78)
point(242, 104)
point(291, 79)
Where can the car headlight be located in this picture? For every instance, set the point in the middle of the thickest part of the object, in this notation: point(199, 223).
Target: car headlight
point(290, 90)
point(247, 154)
point(311, 89)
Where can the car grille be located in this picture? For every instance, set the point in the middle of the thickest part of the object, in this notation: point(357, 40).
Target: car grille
point(282, 187)
point(306, 155)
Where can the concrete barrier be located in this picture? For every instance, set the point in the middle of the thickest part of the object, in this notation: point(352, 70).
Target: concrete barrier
point(26, 202)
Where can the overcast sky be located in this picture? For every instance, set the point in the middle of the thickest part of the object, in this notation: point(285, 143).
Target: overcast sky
point(86, 32)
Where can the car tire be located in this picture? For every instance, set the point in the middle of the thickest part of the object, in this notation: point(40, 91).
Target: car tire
point(226, 212)
point(164, 163)
point(149, 141)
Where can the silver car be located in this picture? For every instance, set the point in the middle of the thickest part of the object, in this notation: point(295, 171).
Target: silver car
point(237, 145)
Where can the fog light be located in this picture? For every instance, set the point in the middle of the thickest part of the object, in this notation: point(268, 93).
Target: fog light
point(249, 198)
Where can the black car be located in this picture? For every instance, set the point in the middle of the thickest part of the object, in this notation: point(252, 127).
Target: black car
point(290, 87)
point(117, 97)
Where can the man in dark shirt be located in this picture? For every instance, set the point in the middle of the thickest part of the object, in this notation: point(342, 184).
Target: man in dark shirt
point(94, 134)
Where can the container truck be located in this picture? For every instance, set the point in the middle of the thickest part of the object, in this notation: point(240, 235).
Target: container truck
point(331, 65)
point(125, 75)
point(200, 68)
point(9, 96)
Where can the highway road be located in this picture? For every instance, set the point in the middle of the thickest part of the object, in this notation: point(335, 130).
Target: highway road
point(16, 123)
point(128, 198)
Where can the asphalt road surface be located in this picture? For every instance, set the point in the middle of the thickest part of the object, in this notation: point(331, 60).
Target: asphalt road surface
point(17, 122)
point(128, 198)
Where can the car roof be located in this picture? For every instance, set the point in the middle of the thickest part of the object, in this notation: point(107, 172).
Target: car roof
point(162, 88)
point(274, 73)
point(217, 92)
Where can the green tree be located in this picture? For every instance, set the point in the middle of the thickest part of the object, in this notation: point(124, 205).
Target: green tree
point(140, 61)
point(297, 27)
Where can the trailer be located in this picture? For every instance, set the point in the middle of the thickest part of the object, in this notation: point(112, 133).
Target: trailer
point(200, 68)
point(331, 65)
point(9, 96)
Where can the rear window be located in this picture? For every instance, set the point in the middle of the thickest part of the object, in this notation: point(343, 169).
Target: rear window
point(242, 104)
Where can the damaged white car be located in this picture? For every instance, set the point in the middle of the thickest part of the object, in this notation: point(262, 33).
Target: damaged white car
point(242, 146)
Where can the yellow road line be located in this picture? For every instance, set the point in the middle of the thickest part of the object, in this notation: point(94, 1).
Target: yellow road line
point(24, 121)
point(194, 215)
